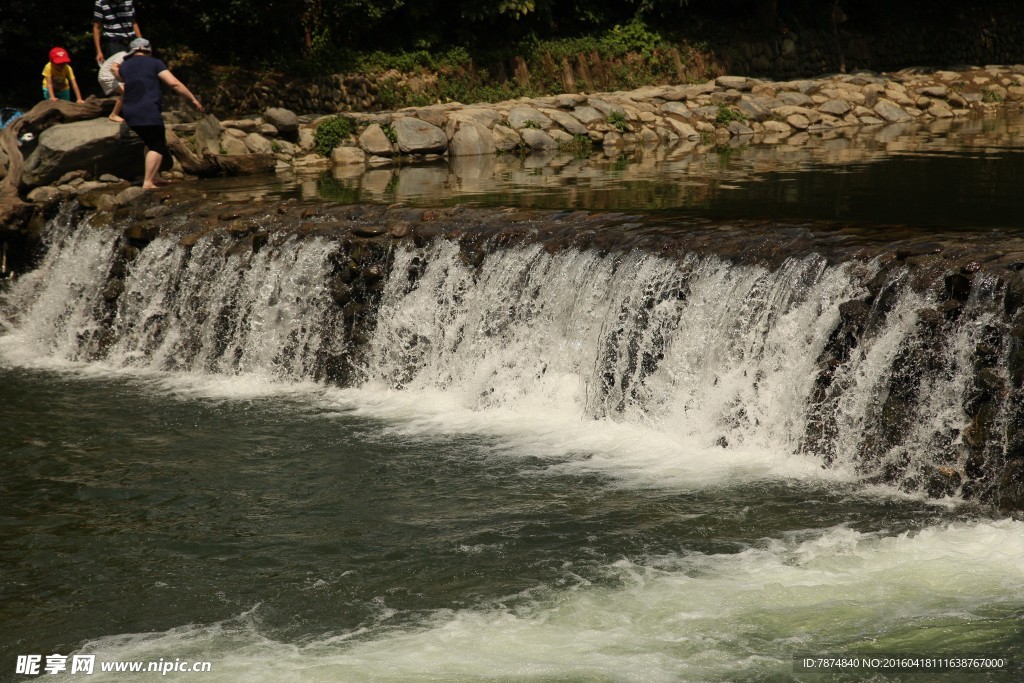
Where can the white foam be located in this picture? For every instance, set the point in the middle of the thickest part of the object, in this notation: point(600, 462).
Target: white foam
point(945, 589)
point(629, 454)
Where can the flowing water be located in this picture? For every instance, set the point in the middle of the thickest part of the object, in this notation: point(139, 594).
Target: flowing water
point(559, 468)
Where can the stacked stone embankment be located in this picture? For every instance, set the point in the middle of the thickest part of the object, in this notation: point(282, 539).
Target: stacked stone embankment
point(73, 159)
point(747, 109)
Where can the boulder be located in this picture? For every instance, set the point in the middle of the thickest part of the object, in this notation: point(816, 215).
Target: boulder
point(45, 195)
point(472, 139)
point(794, 99)
point(257, 144)
point(307, 139)
point(561, 137)
point(343, 156)
point(836, 107)
point(606, 108)
point(284, 120)
point(891, 112)
point(89, 186)
point(734, 82)
point(233, 145)
point(683, 130)
point(419, 137)
point(129, 195)
point(798, 121)
point(505, 138)
point(375, 142)
point(567, 121)
point(311, 162)
point(753, 110)
point(98, 145)
point(677, 110)
point(739, 128)
point(648, 137)
point(776, 127)
point(785, 112)
point(521, 116)
point(588, 115)
point(244, 125)
point(481, 115)
point(570, 100)
point(537, 139)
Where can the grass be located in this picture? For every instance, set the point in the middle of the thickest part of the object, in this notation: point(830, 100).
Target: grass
point(618, 120)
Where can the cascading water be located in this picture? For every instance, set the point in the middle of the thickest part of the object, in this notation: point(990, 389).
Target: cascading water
point(200, 310)
point(308, 456)
point(710, 354)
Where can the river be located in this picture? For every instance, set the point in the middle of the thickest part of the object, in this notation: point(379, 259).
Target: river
point(475, 508)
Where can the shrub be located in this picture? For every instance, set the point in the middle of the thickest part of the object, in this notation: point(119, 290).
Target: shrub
point(331, 132)
point(618, 119)
point(726, 115)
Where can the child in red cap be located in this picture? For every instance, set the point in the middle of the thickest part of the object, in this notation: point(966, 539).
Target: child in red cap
point(58, 78)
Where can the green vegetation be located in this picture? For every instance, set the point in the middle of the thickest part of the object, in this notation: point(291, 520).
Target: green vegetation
point(472, 51)
point(389, 132)
point(331, 132)
point(992, 96)
point(619, 121)
point(581, 146)
point(726, 115)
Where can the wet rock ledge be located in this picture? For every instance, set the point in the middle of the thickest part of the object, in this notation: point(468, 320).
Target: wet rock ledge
point(975, 281)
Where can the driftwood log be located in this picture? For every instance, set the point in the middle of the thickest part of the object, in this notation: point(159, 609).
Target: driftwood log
point(35, 121)
point(211, 165)
point(48, 113)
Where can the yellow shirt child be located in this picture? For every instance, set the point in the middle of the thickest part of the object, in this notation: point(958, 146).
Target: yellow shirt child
point(59, 77)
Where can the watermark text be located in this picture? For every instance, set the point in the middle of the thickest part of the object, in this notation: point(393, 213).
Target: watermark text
point(40, 665)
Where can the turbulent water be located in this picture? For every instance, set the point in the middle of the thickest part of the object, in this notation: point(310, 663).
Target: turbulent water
point(567, 466)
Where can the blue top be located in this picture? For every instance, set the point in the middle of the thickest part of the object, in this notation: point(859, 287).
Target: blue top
point(142, 92)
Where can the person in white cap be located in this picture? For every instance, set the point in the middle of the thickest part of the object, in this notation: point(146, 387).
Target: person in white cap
point(142, 75)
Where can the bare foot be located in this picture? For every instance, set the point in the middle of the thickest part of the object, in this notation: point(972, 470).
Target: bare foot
point(116, 119)
point(160, 182)
point(149, 186)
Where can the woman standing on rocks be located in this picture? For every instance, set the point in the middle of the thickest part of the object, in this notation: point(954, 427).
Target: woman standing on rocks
point(142, 74)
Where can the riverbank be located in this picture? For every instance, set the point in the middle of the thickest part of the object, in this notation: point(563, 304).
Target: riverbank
point(87, 159)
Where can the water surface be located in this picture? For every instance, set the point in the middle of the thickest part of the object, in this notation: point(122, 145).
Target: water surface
point(477, 507)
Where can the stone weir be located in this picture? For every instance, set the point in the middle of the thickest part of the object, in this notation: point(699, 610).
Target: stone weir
point(899, 359)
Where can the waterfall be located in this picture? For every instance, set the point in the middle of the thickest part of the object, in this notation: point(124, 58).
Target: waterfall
point(712, 352)
point(204, 309)
point(706, 351)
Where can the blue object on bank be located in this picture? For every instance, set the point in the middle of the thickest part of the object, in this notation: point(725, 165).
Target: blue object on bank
point(7, 115)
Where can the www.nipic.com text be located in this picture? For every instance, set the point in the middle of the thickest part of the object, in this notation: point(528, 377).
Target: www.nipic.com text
point(34, 665)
